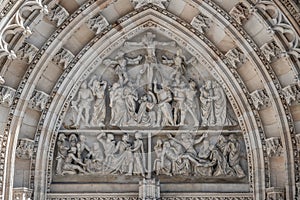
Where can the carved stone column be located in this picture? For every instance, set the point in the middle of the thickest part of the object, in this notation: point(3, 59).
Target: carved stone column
point(275, 193)
point(149, 189)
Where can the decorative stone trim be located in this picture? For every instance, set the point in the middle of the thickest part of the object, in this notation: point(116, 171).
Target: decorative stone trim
point(27, 52)
point(200, 23)
point(164, 196)
point(22, 194)
point(259, 98)
point(97, 23)
point(38, 100)
point(275, 193)
point(63, 57)
point(57, 13)
point(274, 147)
point(24, 149)
point(291, 93)
point(149, 189)
point(7, 95)
point(235, 57)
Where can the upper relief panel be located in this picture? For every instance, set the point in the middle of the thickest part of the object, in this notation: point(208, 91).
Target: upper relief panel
point(150, 82)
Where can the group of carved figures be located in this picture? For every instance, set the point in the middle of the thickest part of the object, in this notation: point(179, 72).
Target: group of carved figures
point(174, 156)
point(165, 105)
point(178, 156)
point(170, 102)
point(106, 156)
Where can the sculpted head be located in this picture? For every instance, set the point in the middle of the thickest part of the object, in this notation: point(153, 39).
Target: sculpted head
point(110, 137)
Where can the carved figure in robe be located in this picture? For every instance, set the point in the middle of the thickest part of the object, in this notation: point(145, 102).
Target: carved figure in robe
point(95, 163)
point(139, 155)
point(222, 117)
point(171, 161)
point(119, 115)
point(233, 152)
point(69, 167)
point(179, 66)
point(219, 163)
point(98, 89)
point(109, 146)
point(207, 104)
point(83, 104)
point(130, 97)
point(82, 147)
point(147, 115)
point(124, 156)
point(190, 105)
point(188, 142)
point(164, 113)
point(73, 140)
point(62, 151)
point(150, 64)
point(204, 154)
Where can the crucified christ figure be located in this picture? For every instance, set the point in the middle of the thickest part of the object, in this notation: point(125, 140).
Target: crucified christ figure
point(150, 44)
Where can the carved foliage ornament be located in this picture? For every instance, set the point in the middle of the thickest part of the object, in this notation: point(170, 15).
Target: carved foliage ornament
point(274, 146)
point(27, 52)
point(235, 57)
point(239, 12)
point(259, 98)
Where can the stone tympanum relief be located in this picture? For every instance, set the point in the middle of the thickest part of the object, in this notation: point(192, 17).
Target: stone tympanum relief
point(150, 109)
point(154, 84)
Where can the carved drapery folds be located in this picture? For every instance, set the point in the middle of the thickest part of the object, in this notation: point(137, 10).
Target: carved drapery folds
point(38, 100)
point(57, 13)
point(274, 147)
point(16, 25)
point(24, 149)
point(259, 98)
point(235, 57)
point(63, 58)
point(7, 95)
point(200, 23)
point(240, 12)
point(97, 23)
point(27, 52)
